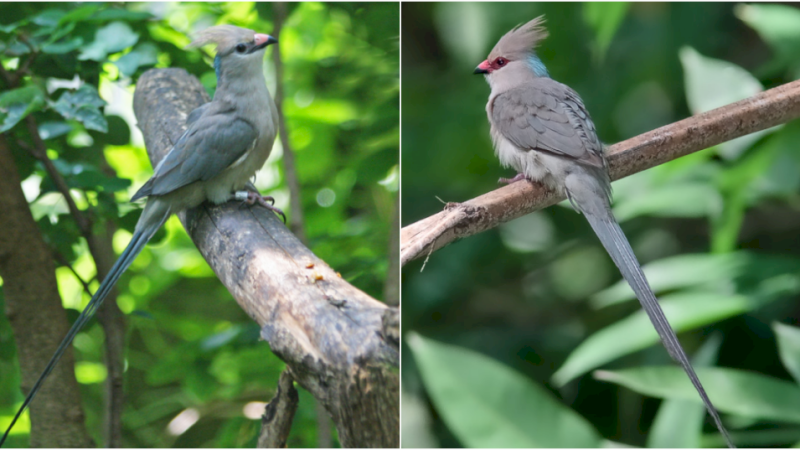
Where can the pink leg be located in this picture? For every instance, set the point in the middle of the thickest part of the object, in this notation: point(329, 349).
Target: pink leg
point(519, 177)
point(264, 200)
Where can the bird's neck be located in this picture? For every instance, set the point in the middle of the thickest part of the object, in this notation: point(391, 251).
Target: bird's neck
point(246, 81)
point(537, 66)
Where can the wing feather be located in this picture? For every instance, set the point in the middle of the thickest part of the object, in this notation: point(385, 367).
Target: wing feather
point(550, 117)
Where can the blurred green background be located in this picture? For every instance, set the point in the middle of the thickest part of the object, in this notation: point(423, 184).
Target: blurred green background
point(524, 336)
point(195, 367)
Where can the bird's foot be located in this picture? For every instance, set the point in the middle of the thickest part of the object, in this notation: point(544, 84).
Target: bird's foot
point(519, 177)
point(251, 198)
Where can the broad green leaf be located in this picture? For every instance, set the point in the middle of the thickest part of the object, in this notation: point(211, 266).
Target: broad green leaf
point(143, 55)
point(83, 105)
point(120, 14)
point(789, 348)
point(48, 17)
point(18, 103)
point(79, 14)
point(677, 272)
point(12, 26)
point(93, 179)
point(112, 38)
point(778, 26)
point(712, 83)
point(50, 130)
point(604, 18)
point(685, 311)
point(679, 423)
point(732, 391)
point(63, 47)
point(671, 200)
point(487, 404)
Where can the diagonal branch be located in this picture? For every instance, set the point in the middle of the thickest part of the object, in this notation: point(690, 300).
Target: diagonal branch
point(335, 339)
point(460, 220)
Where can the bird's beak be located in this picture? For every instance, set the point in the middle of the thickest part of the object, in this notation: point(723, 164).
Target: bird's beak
point(482, 68)
point(262, 40)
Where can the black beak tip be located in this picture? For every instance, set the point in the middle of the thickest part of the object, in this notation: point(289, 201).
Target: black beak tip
point(479, 70)
point(271, 40)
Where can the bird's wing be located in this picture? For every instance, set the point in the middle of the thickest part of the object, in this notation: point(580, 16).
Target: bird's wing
point(550, 117)
point(215, 140)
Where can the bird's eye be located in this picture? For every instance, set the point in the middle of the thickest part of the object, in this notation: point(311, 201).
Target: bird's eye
point(241, 48)
point(501, 62)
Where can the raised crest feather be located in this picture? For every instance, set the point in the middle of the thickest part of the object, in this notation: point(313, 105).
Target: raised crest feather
point(520, 42)
point(224, 36)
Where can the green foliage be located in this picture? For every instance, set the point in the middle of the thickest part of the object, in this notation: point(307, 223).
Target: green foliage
point(716, 230)
point(514, 411)
point(194, 360)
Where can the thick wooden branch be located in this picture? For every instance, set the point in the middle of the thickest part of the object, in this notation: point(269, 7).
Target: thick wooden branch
point(330, 334)
point(459, 220)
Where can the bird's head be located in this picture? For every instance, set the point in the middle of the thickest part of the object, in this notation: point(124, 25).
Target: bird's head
point(239, 50)
point(513, 56)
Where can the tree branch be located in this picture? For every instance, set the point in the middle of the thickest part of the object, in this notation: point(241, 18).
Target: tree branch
point(328, 332)
point(289, 170)
point(762, 111)
point(276, 423)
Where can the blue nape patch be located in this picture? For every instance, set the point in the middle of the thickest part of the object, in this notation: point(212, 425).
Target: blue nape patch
point(217, 68)
point(535, 63)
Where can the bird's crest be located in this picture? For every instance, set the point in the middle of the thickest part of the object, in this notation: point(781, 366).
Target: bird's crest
point(224, 36)
point(519, 43)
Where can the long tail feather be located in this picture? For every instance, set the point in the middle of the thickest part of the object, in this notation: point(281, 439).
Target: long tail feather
point(137, 243)
point(615, 242)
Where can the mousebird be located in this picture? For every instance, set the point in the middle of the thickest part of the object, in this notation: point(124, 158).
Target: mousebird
point(227, 141)
point(541, 128)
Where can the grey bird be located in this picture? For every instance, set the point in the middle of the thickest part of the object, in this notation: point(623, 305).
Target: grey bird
point(227, 141)
point(541, 128)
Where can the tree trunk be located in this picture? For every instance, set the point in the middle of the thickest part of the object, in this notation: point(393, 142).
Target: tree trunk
point(33, 307)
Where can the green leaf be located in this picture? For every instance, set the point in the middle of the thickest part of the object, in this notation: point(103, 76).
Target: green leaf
point(789, 348)
point(733, 391)
point(48, 17)
point(679, 423)
point(78, 14)
point(604, 18)
point(63, 47)
point(92, 179)
point(112, 38)
point(50, 130)
point(712, 83)
point(83, 105)
point(487, 404)
point(778, 26)
point(12, 26)
point(145, 54)
point(685, 311)
point(678, 272)
point(685, 199)
point(18, 103)
point(120, 14)
point(92, 118)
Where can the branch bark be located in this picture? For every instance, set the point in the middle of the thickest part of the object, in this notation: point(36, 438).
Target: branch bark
point(330, 334)
point(33, 307)
point(460, 220)
point(276, 423)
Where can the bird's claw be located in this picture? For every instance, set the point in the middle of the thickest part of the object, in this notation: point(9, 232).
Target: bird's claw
point(519, 177)
point(264, 200)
